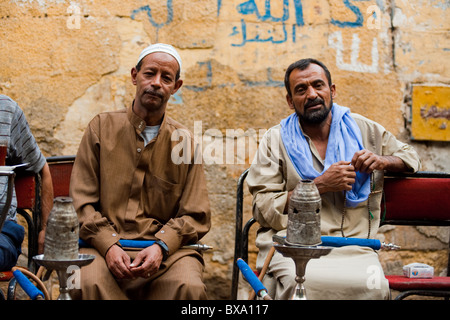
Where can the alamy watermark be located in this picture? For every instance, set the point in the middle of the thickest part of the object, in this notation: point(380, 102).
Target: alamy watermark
point(374, 18)
point(375, 277)
point(74, 277)
point(74, 19)
point(234, 146)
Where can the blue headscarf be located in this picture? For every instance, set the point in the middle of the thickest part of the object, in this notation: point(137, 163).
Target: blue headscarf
point(344, 140)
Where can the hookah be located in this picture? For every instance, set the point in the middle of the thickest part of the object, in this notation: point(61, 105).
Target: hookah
point(303, 238)
point(61, 244)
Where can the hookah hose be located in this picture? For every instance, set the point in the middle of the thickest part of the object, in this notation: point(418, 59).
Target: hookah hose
point(252, 279)
point(30, 289)
point(371, 243)
point(125, 243)
point(330, 241)
point(142, 244)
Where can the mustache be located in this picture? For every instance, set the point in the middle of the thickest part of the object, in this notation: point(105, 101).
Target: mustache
point(311, 103)
point(153, 93)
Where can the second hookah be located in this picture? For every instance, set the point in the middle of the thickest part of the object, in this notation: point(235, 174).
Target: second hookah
point(303, 236)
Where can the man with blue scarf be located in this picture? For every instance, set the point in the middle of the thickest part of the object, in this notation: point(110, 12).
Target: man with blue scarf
point(345, 154)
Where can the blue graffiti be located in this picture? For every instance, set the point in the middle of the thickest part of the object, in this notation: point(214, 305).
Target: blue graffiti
point(208, 78)
point(258, 38)
point(250, 8)
point(299, 12)
point(219, 6)
point(251, 32)
point(351, 24)
point(148, 10)
point(268, 83)
point(177, 98)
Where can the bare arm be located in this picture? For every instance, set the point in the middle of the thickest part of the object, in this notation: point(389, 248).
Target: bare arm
point(46, 205)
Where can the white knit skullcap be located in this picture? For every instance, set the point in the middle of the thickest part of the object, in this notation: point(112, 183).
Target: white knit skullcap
point(160, 47)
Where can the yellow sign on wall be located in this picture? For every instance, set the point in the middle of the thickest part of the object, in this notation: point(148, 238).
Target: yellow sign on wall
point(431, 113)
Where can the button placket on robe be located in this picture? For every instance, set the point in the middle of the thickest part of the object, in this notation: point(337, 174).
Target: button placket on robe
point(143, 158)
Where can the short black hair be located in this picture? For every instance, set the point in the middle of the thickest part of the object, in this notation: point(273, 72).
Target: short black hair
point(302, 65)
point(139, 66)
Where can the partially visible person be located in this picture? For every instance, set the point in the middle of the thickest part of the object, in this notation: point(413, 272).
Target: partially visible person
point(345, 154)
point(21, 148)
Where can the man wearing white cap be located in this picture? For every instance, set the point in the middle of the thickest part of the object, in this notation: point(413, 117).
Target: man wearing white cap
point(126, 186)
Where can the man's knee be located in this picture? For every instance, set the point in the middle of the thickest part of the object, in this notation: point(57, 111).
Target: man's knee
point(191, 290)
point(185, 278)
point(8, 253)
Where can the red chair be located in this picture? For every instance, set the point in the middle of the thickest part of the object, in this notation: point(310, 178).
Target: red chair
point(28, 188)
point(61, 171)
point(418, 200)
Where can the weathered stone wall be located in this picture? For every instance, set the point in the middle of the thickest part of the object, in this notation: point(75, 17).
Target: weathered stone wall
point(65, 61)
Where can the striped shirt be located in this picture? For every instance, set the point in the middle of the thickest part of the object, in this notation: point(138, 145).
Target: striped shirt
point(22, 147)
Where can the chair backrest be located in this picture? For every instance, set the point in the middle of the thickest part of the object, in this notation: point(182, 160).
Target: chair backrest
point(28, 186)
point(241, 239)
point(417, 199)
point(420, 199)
point(25, 185)
point(61, 170)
